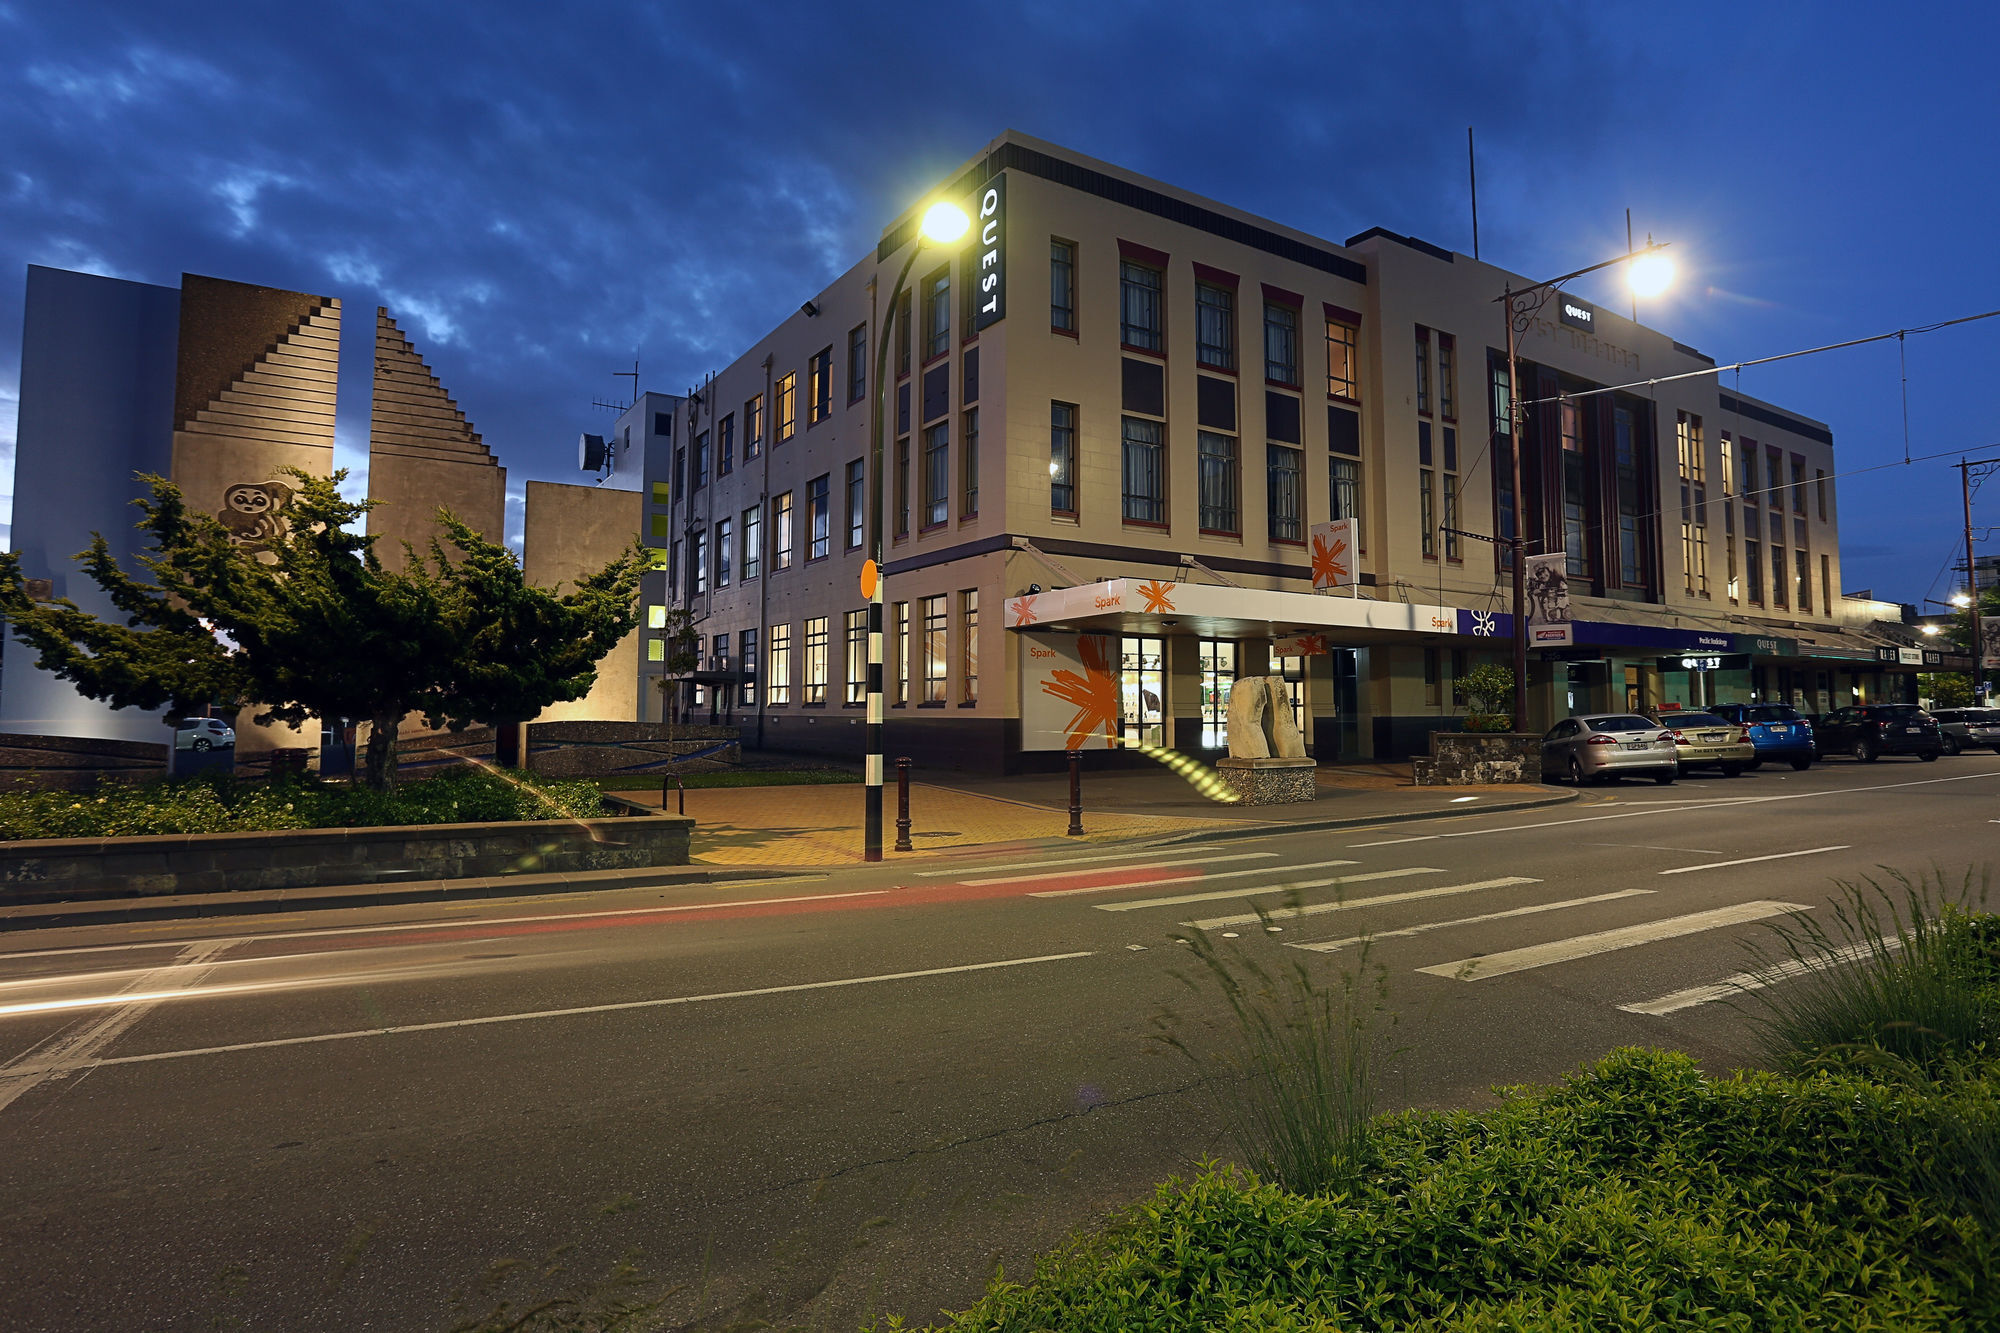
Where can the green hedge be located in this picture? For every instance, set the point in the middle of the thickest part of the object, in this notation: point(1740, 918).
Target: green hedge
point(1638, 1195)
point(465, 795)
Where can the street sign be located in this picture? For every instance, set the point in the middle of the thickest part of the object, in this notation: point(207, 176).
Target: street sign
point(869, 578)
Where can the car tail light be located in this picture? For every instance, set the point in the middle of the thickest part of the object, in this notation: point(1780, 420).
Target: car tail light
point(1678, 738)
point(1667, 736)
point(1602, 740)
point(1743, 735)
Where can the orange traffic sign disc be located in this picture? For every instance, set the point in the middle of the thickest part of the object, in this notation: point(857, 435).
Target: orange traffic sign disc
point(869, 577)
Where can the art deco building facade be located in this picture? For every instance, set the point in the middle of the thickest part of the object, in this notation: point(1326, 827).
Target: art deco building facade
point(1106, 445)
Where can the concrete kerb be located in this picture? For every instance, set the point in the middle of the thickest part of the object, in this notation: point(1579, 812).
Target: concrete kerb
point(1280, 827)
point(102, 912)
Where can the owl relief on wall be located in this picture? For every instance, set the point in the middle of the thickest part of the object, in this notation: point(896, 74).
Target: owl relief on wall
point(253, 511)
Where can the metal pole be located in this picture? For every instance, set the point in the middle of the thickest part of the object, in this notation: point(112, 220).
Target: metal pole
point(1518, 545)
point(1972, 582)
point(871, 842)
point(903, 805)
point(1075, 794)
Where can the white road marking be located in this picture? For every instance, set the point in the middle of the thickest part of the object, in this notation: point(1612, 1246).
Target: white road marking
point(461, 923)
point(1139, 904)
point(1604, 941)
point(1136, 865)
point(1742, 981)
point(48, 1068)
point(1652, 847)
point(1752, 860)
point(1334, 946)
point(1051, 861)
point(77, 1049)
point(1204, 879)
point(1391, 842)
point(1381, 900)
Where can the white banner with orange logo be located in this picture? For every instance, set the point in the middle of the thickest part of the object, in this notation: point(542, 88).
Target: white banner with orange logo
point(1069, 691)
point(1335, 547)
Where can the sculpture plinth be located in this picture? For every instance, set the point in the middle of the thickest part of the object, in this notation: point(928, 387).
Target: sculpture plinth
point(1267, 763)
point(1270, 781)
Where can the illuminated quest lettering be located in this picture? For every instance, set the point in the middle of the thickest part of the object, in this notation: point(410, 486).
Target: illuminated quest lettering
point(992, 263)
point(1577, 315)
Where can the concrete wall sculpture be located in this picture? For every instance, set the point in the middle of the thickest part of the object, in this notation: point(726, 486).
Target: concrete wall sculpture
point(423, 454)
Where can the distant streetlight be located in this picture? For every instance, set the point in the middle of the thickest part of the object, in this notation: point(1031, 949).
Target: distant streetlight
point(1647, 265)
point(1960, 599)
point(1930, 629)
point(942, 224)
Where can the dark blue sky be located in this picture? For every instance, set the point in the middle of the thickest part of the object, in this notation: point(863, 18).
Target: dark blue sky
point(539, 190)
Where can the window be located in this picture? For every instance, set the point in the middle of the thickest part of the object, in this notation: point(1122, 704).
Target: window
point(1826, 585)
point(788, 406)
point(1217, 478)
point(1344, 488)
point(725, 446)
point(1343, 355)
point(779, 678)
point(680, 467)
point(1284, 497)
point(819, 511)
point(819, 386)
point(698, 565)
point(656, 649)
point(968, 628)
point(1819, 483)
point(674, 570)
point(899, 649)
point(857, 505)
point(753, 427)
point(1062, 458)
point(752, 530)
point(1575, 491)
point(781, 531)
point(1281, 343)
point(1062, 285)
point(1631, 566)
point(1798, 487)
point(937, 474)
point(968, 462)
point(857, 363)
point(1145, 472)
point(663, 424)
point(723, 551)
point(854, 634)
point(1447, 374)
point(1142, 688)
point(1449, 529)
point(934, 649)
point(1734, 587)
point(815, 686)
point(1218, 677)
point(1753, 569)
point(1691, 458)
point(1423, 370)
point(659, 525)
point(656, 617)
point(903, 487)
point(937, 313)
point(1804, 566)
point(903, 336)
point(1433, 687)
point(663, 494)
point(698, 463)
point(1427, 510)
point(1215, 326)
point(1746, 459)
point(746, 689)
point(1139, 308)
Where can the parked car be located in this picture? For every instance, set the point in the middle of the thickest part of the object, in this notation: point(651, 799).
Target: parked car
point(1606, 747)
point(1869, 731)
point(1778, 732)
point(204, 733)
point(1969, 728)
point(1703, 740)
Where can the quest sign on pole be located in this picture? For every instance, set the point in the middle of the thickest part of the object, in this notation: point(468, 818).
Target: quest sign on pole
point(990, 250)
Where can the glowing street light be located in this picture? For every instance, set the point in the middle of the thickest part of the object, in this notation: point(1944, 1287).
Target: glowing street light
point(944, 223)
point(1649, 274)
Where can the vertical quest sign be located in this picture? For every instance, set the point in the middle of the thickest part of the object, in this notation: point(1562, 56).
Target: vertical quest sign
point(990, 254)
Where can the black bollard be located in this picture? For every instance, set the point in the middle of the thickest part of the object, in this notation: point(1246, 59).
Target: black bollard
point(1075, 794)
point(903, 805)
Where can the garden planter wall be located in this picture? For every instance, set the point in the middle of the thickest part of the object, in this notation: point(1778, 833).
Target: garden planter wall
point(57, 869)
point(1475, 758)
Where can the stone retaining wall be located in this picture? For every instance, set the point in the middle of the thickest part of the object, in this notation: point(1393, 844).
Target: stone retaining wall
point(72, 763)
point(59, 869)
point(598, 749)
point(1477, 758)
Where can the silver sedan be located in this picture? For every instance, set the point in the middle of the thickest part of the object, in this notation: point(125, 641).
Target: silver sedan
point(1606, 746)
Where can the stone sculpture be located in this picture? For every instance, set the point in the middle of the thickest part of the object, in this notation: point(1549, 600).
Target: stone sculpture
point(1260, 721)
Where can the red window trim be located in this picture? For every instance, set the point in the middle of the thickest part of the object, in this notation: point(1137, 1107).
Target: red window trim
point(1214, 369)
point(1220, 277)
point(1279, 296)
point(1144, 254)
point(1070, 334)
point(1220, 532)
point(1340, 314)
point(1289, 541)
point(1270, 383)
point(1145, 523)
point(1143, 351)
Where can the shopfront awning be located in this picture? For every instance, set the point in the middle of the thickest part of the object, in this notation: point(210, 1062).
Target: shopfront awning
point(1156, 606)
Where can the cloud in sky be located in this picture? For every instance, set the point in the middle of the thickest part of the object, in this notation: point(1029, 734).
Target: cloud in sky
point(537, 193)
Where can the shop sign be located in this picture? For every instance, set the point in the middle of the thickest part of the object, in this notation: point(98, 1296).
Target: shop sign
point(990, 263)
point(1764, 645)
point(1910, 656)
point(1069, 691)
point(1933, 658)
point(1885, 655)
point(1334, 545)
point(1705, 662)
point(1578, 315)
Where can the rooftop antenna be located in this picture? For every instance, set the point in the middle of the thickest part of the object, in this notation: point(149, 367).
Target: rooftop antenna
point(1472, 170)
point(633, 375)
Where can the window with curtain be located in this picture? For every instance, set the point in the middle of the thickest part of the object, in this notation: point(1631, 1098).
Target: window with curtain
point(1139, 306)
point(1144, 470)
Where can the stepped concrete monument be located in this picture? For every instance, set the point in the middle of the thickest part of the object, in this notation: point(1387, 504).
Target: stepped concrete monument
point(423, 454)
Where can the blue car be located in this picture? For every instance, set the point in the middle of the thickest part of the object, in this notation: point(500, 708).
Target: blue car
point(1780, 732)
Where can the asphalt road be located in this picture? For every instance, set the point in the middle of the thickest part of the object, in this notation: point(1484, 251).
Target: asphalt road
point(805, 1101)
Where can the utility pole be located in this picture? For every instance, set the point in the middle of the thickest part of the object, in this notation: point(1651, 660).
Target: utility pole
point(1972, 572)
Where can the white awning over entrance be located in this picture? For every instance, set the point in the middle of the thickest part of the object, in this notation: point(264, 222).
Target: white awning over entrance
point(1136, 606)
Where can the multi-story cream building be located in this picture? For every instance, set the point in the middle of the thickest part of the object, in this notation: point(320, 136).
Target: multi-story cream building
point(1113, 418)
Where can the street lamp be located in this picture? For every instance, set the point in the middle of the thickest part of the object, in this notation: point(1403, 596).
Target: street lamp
point(1648, 272)
point(942, 224)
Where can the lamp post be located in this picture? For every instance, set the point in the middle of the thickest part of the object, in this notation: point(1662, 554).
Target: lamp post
point(942, 223)
point(1648, 274)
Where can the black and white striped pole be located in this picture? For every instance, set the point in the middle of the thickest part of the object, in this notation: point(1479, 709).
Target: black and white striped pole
point(942, 223)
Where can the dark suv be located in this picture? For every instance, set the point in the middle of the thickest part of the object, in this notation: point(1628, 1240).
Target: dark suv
point(1872, 730)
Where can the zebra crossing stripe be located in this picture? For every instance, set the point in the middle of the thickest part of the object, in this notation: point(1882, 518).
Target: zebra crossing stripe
point(1334, 946)
point(1139, 904)
point(1604, 941)
point(1381, 900)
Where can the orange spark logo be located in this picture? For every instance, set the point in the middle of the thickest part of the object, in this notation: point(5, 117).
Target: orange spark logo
point(1158, 595)
point(1095, 692)
point(1023, 609)
point(1329, 561)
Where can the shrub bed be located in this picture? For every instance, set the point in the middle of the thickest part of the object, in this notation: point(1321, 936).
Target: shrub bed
point(1637, 1195)
point(464, 795)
